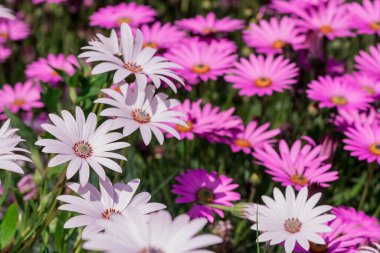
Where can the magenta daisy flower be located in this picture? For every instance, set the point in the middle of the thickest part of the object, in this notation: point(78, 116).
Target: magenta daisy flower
point(348, 118)
point(293, 6)
point(365, 82)
point(113, 16)
point(5, 52)
point(202, 61)
point(297, 166)
point(366, 16)
point(161, 36)
point(331, 20)
point(210, 24)
point(369, 226)
point(252, 137)
point(369, 63)
point(363, 141)
point(23, 96)
point(13, 30)
point(336, 92)
point(199, 187)
point(207, 122)
point(274, 35)
point(259, 75)
point(43, 69)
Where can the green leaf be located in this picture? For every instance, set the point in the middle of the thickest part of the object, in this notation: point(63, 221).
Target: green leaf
point(51, 97)
point(9, 225)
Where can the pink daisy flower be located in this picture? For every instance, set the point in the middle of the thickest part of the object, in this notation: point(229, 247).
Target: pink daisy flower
point(369, 226)
point(5, 52)
point(273, 36)
point(331, 20)
point(363, 141)
point(369, 63)
point(161, 36)
point(210, 24)
point(365, 82)
point(27, 187)
point(297, 166)
point(201, 188)
point(293, 6)
point(113, 16)
point(13, 30)
point(252, 137)
point(43, 69)
point(23, 96)
point(348, 118)
point(336, 92)
point(207, 121)
point(366, 16)
point(202, 61)
point(259, 75)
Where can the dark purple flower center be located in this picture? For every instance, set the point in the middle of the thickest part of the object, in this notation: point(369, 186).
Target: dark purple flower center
point(151, 250)
point(108, 212)
point(133, 67)
point(141, 116)
point(292, 225)
point(318, 248)
point(83, 149)
point(205, 195)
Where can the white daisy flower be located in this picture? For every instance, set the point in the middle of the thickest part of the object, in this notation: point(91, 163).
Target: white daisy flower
point(112, 200)
point(291, 219)
point(136, 60)
point(368, 249)
point(82, 144)
point(6, 13)
point(8, 146)
point(142, 109)
point(101, 46)
point(160, 234)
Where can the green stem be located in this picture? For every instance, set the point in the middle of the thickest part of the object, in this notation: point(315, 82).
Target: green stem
point(367, 184)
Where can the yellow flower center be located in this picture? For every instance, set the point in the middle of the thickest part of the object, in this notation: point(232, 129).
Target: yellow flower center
point(133, 67)
point(19, 102)
point(141, 116)
point(4, 35)
point(151, 44)
point(151, 250)
point(375, 148)
point(184, 129)
point(292, 225)
point(123, 20)
point(200, 68)
point(339, 100)
point(318, 248)
point(278, 44)
point(375, 25)
point(326, 29)
point(205, 195)
point(299, 179)
point(369, 89)
point(242, 143)
point(208, 30)
point(54, 73)
point(263, 82)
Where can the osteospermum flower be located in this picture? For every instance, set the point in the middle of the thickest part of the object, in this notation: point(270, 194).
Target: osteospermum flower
point(103, 45)
point(161, 36)
point(366, 16)
point(21, 97)
point(43, 69)
point(369, 63)
point(116, 15)
point(9, 152)
point(252, 137)
point(210, 24)
point(365, 82)
point(330, 20)
point(199, 187)
point(137, 61)
point(134, 109)
point(13, 30)
point(202, 61)
point(293, 6)
point(336, 92)
point(297, 166)
point(259, 75)
point(369, 249)
point(363, 141)
point(207, 122)
point(274, 36)
point(6, 13)
point(160, 234)
point(5, 52)
point(291, 219)
point(348, 118)
point(112, 200)
point(81, 143)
